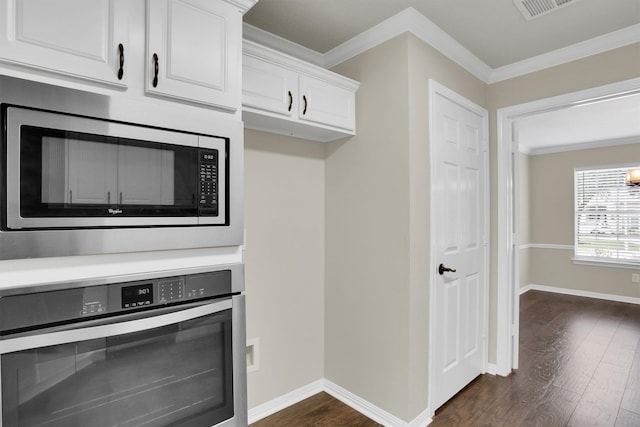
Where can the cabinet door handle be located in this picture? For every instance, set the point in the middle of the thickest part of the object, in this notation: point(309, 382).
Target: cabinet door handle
point(120, 198)
point(290, 101)
point(70, 197)
point(304, 99)
point(121, 69)
point(155, 70)
point(108, 197)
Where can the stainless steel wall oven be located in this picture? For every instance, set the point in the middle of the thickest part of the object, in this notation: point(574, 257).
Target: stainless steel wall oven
point(81, 176)
point(139, 350)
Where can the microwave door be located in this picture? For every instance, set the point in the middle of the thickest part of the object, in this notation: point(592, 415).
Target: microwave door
point(68, 172)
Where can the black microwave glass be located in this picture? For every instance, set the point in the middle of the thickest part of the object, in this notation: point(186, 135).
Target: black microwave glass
point(75, 174)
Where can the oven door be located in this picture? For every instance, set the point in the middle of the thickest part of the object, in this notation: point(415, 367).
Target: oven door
point(172, 367)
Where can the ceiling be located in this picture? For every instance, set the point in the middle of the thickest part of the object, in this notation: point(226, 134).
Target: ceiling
point(494, 31)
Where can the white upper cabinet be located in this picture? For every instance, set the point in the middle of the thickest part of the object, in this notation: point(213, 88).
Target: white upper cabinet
point(82, 38)
point(281, 94)
point(326, 103)
point(269, 87)
point(194, 51)
point(186, 50)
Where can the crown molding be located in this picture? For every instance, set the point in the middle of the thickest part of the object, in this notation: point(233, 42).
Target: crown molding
point(410, 20)
point(606, 42)
point(243, 5)
point(282, 45)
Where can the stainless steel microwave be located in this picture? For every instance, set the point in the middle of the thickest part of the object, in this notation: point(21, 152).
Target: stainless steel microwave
point(78, 181)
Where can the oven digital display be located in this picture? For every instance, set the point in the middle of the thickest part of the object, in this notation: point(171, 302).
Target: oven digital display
point(137, 296)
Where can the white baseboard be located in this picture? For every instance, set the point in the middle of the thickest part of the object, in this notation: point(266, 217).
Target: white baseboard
point(579, 293)
point(345, 396)
point(372, 411)
point(492, 369)
point(279, 403)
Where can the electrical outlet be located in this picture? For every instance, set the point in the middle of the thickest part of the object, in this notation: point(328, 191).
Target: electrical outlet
point(635, 277)
point(253, 355)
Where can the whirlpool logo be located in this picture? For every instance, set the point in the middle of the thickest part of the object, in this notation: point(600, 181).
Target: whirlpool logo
point(115, 211)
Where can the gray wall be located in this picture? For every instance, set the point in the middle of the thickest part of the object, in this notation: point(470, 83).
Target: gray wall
point(343, 228)
point(551, 212)
point(284, 262)
point(378, 239)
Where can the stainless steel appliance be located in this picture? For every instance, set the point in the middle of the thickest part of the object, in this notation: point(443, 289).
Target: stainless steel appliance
point(78, 179)
point(139, 350)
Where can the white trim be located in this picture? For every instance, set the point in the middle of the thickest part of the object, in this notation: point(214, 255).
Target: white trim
point(265, 38)
point(546, 246)
point(410, 20)
point(574, 52)
point(583, 261)
point(372, 411)
point(437, 88)
point(579, 293)
point(579, 146)
point(492, 369)
point(507, 235)
point(604, 263)
point(505, 119)
point(271, 407)
point(359, 404)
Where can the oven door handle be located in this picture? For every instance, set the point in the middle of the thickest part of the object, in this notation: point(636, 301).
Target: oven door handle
point(79, 333)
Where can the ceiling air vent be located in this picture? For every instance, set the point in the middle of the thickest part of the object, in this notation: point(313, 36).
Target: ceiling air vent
point(532, 9)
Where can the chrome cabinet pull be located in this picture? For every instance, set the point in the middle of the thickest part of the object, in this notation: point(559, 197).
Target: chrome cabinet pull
point(155, 70)
point(108, 197)
point(120, 197)
point(121, 69)
point(304, 99)
point(290, 101)
point(70, 197)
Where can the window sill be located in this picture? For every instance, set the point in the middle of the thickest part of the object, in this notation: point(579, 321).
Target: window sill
point(603, 263)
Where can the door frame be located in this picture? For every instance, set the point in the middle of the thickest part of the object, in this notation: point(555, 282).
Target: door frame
point(508, 250)
point(435, 89)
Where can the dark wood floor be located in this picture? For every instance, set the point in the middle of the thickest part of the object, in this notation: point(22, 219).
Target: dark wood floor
point(579, 366)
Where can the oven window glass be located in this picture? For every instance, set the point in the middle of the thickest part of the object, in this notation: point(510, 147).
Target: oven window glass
point(77, 174)
point(178, 375)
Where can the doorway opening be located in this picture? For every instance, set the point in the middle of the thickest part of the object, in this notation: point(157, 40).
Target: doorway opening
point(508, 286)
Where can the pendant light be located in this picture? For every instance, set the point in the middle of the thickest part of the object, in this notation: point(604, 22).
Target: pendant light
point(633, 177)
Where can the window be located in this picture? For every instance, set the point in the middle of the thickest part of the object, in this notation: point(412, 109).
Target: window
point(607, 215)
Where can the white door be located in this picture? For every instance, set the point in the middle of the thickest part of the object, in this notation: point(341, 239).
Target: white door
point(459, 230)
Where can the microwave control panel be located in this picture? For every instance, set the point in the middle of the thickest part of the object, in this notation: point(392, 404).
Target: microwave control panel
point(208, 202)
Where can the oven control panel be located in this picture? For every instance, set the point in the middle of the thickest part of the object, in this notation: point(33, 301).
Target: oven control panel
point(83, 302)
point(137, 296)
point(170, 290)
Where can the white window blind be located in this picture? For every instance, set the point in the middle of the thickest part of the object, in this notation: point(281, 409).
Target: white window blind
point(607, 215)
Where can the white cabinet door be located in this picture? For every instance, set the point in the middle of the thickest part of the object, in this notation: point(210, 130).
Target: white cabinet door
point(324, 103)
point(91, 173)
point(193, 51)
point(81, 38)
point(269, 87)
point(145, 176)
